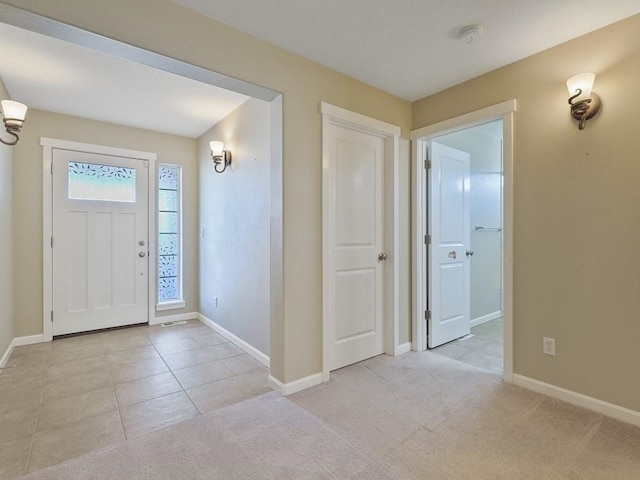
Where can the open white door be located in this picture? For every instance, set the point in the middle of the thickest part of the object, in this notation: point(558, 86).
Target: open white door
point(100, 241)
point(449, 250)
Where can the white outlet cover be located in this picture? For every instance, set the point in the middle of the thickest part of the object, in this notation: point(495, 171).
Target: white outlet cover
point(548, 346)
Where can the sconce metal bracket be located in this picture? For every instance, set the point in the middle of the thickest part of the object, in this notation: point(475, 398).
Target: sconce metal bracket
point(224, 160)
point(12, 129)
point(584, 109)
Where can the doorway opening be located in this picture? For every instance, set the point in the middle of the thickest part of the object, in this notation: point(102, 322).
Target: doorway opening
point(481, 344)
point(463, 228)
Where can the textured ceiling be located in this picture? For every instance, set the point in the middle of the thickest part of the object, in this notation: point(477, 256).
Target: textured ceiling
point(56, 76)
point(411, 47)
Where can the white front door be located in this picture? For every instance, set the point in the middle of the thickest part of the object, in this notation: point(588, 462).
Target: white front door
point(100, 244)
point(449, 250)
point(353, 164)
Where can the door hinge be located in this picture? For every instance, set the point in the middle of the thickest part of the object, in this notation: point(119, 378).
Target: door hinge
point(51, 242)
point(52, 315)
point(427, 164)
point(427, 239)
point(51, 168)
point(427, 314)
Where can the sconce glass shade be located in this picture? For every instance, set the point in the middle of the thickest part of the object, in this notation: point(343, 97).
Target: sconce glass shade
point(584, 82)
point(14, 113)
point(217, 148)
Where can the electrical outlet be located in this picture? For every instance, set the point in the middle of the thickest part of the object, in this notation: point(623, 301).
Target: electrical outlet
point(549, 346)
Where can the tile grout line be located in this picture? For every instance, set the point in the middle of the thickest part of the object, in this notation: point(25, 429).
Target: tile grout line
point(175, 378)
point(113, 387)
point(35, 424)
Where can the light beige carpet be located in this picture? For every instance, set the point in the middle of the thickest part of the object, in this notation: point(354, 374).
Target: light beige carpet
point(267, 437)
point(436, 418)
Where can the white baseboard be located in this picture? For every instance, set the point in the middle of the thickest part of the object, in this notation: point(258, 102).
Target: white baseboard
point(578, 399)
point(238, 342)
point(285, 389)
point(486, 318)
point(402, 349)
point(7, 355)
point(19, 342)
point(174, 318)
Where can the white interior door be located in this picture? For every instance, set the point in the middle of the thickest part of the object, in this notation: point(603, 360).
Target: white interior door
point(449, 250)
point(354, 163)
point(100, 244)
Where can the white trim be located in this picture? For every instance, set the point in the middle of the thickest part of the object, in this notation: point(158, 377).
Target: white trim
point(485, 318)
point(19, 342)
point(296, 386)
point(99, 149)
point(332, 114)
point(28, 340)
point(578, 399)
point(174, 318)
point(48, 144)
point(7, 355)
point(404, 348)
point(465, 121)
point(504, 111)
point(174, 304)
point(237, 341)
point(354, 118)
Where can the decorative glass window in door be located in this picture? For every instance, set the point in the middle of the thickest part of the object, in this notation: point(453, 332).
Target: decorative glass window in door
point(90, 181)
point(169, 234)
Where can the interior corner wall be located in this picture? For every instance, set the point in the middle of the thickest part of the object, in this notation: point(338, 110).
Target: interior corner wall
point(27, 210)
point(7, 328)
point(234, 225)
point(576, 215)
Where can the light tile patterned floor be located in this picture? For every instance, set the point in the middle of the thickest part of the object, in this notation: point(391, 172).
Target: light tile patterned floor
point(484, 349)
point(74, 395)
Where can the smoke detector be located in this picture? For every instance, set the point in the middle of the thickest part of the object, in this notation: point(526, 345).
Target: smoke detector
point(470, 32)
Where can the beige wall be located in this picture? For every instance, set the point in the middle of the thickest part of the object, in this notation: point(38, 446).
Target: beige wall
point(6, 237)
point(576, 210)
point(164, 27)
point(28, 201)
point(234, 213)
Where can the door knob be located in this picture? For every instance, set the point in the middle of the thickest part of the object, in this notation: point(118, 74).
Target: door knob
point(141, 254)
point(469, 253)
point(382, 256)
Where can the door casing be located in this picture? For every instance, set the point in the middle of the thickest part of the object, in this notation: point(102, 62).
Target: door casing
point(419, 137)
point(391, 134)
point(48, 144)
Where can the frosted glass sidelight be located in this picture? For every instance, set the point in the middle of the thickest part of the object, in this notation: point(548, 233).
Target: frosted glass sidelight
point(167, 222)
point(168, 178)
point(167, 289)
point(168, 243)
point(168, 266)
point(169, 234)
point(89, 181)
point(168, 200)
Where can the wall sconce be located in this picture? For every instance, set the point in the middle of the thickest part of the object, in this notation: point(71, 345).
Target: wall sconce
point(14, 115)
point(220, 156)
point(587, 102)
